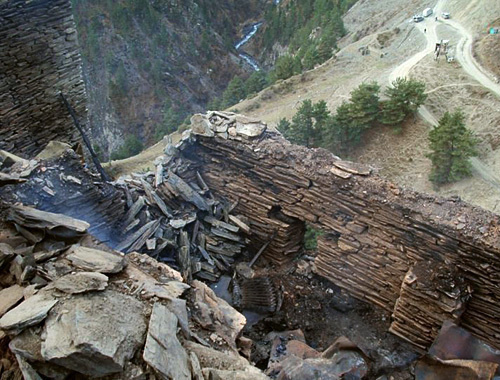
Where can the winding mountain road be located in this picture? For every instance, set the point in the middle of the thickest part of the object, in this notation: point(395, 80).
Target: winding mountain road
point(469, 64)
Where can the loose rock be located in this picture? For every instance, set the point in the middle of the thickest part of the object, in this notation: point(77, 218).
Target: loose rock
point(74, 335)
point(9, 297)
point(81, 282)
point(163, 351)
point(96, 261)
point(29, 313)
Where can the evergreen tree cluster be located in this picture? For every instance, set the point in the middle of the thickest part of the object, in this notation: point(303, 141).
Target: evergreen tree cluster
point(294, 24)
point(239, 89)
point(451, 144)
point(314, 126)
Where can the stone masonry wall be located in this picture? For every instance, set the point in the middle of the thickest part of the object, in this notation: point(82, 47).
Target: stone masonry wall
point(39, 58)
point(425, 259)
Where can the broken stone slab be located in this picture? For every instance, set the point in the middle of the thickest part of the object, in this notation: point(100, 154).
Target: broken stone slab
point(200, 125)
point(429, 368)
point(28, 345)
point(163, 269)
point(95, 260)
point(81, 282)
point(150, 287)
point(6, 253)
point(182, 222)
point(58, 225)
point(29, 313)
point(340, 173)
point(163, 351)
point(94, 333)
point(352, 167)
point(214, 313)
point(246, 119)
point(27, 370)
point(9, 297)
point(211, 359)
point(196, 372)
point(345, 364)
point(250, 130)
point(186, 192)
point(53, 149)
point(10, 159)
point(217, 374)
point(8, 179)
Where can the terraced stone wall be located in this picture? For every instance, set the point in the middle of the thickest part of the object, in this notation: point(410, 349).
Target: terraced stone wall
point(423, 258)
point(39, 58)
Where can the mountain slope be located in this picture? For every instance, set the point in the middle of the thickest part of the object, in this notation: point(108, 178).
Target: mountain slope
point(150, 63)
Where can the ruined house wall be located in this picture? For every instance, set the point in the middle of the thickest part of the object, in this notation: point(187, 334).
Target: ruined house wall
point(377, 238)
point(39, 58)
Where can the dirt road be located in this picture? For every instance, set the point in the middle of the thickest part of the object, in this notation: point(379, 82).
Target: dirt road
point(469, 64)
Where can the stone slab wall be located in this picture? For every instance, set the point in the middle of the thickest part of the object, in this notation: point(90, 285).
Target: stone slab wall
point(39, 58)
point(377, 237)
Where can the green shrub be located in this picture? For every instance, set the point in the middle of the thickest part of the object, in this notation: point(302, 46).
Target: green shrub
point(130, 147)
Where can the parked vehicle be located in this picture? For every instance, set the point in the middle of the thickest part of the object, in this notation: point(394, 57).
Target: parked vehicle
point(445, 15)
point(427, 12)
point(418, 18)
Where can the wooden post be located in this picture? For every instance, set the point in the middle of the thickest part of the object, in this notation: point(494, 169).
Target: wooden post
point(95, 159)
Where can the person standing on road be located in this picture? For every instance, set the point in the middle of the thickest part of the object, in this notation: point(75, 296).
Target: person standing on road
point(425, 30)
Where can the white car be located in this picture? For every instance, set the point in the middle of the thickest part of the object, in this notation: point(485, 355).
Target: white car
point(445, 15)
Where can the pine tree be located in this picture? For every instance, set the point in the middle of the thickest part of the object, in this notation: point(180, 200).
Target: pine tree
point(452, 144)
point(285, 67)
point(405, 96)
point(341, 133)
point(311, 58)
point(307, 124)
point(283, 126)
point(234, 92)
point(364, 108)
point(256, 82)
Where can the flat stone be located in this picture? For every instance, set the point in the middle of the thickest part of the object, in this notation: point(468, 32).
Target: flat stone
point(163, 351)
point(95, 260)
point(176, 288)
point(352, 167)
point(246, 120)
point(250, 130)
point(6, 253)
point(217, 374)
point(217, 360)
point(29, 313)
point(200, 125)
point(94, 333)
point(27, 370)
point(81, 282)
point(340, 173)
point(216, 314)
point(27, 345)
point(9, 297)
point(150, 286)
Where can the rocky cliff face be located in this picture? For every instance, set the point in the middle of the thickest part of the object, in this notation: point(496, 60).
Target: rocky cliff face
point(150, 63)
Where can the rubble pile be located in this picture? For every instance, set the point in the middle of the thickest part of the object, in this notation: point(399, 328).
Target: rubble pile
point(142, 212)
point(57, 181)
point(69, 305)
point(179, 221)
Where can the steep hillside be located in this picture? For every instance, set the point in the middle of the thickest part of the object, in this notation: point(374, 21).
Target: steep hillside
point(380, 40)
point(150, 63)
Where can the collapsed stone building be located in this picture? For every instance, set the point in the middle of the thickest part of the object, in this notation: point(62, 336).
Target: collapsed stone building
point(424, 259)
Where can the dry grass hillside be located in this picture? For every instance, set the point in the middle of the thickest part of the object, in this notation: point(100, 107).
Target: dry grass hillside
point(385, 29)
